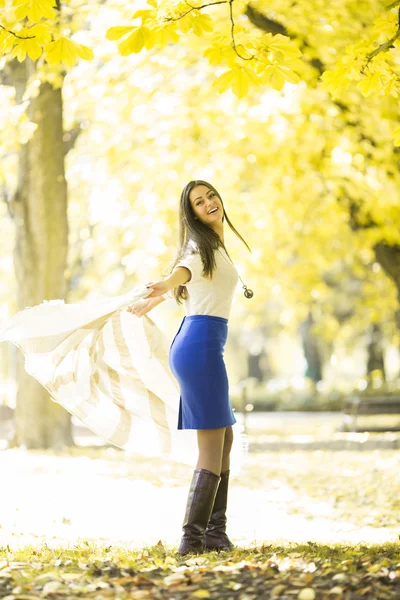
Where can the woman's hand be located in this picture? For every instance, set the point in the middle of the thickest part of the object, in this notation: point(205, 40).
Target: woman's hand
point(142, 307)
point(159, 288)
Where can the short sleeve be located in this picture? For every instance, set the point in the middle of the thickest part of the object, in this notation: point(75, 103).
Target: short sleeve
point(194, 263)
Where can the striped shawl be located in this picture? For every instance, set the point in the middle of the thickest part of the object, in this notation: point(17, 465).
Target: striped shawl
point(110, 369)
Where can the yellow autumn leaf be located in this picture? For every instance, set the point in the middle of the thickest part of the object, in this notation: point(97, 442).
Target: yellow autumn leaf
point(293, 63)
point(61, 51)
point(214, 54)
point(202, 24)
point(274, 77)
point(243, 51)
point(386, 25)
point(41, 33)
point(329, 79)
point(306, 594)
point(19, 52)
point(196, 22)
point(220, 54)
point(66, 51)
point(224, 81)
point(135, 42)
point(281, 43)
point(29, 47)
point(290, 75)
point(287, 74)
point(186, 24)
point(392, 87)
point(34, 9)
point(201, 594)
point(230, 56)
point(7, 41)
point(238, 79)
point(396, 137)
point(115, 33)
point(165, 35)
point(145, 15)
point(370, 85)
point(240, 83)
point(84, 52)
point(334, 82)
point(247, 78)
point(150, 40)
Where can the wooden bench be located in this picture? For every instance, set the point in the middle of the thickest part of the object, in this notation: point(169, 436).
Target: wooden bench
point(369, 405)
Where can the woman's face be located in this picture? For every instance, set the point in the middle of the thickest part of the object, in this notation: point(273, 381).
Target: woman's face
point(204, 200)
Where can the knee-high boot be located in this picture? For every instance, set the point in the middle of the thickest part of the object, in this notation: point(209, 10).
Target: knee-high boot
point(215, 537)
point(203, 489)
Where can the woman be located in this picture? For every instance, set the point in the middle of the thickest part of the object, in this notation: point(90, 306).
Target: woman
point(112, 371)
point(204, 276)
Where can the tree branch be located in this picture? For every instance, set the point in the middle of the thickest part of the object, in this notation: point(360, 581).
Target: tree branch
point(261, 21)
point(383, 47)
point(266, 24)
point(20, 37)
point(230, 2)
point(233, 33)
point(195, 8)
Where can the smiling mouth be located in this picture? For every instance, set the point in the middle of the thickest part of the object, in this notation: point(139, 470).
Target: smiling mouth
point(214, 210)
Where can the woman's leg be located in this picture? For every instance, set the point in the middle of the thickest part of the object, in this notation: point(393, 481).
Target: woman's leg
point(211, 447)
point(215, 536)
point(228, 441)
point(203, 489)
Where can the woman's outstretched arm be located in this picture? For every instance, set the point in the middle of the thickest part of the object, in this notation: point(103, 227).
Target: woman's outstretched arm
point(179, 276)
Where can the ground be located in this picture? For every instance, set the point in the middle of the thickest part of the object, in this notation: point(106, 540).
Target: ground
point(96, 523)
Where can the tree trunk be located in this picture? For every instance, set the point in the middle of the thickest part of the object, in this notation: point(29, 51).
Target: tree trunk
point(39, 209)
point(311, 350)
point(255, 363)
point(389, 258)
point(375, 360)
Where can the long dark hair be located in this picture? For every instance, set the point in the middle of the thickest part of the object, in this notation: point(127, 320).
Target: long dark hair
point(204, 237)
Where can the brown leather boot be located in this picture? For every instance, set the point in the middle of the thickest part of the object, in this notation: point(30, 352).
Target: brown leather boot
point(215, 537)
point(203, 489)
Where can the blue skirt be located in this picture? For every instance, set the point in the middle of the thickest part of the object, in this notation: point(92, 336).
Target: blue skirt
point(196, 361)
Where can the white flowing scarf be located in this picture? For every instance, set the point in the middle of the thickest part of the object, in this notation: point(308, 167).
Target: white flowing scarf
point(110, 369)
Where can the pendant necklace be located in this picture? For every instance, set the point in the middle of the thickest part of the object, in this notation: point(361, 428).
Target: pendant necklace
point(247, 292)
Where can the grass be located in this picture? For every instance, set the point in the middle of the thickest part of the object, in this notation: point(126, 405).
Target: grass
point(304, 571)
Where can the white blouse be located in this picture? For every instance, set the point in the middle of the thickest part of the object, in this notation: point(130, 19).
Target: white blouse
point(210, 296)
